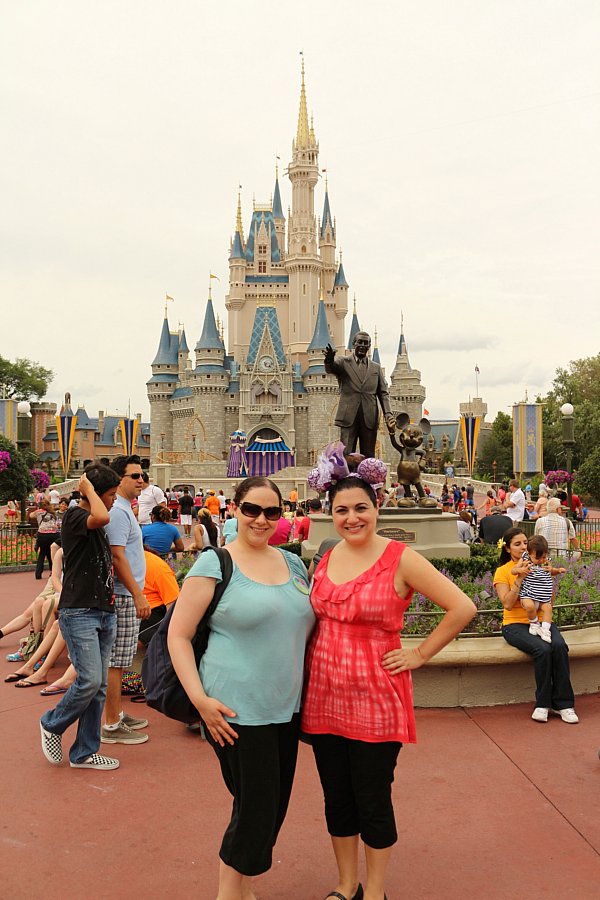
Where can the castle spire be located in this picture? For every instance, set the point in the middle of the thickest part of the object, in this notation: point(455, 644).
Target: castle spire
point(327, 219)
point(376, 358)
point(321, 336)
point(210, 338)
point(303, 131)
point(355, 326)
point(277, 210)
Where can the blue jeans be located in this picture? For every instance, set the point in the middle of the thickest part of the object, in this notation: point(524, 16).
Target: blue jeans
point(90, 635)
point(550, 662)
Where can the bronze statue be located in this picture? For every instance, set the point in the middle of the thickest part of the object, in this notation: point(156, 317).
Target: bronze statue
point(412, 458)
point(361, 384)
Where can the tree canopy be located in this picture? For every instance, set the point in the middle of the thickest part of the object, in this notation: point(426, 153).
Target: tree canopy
point(498, 447)
point(579, 384)
point(23, 379)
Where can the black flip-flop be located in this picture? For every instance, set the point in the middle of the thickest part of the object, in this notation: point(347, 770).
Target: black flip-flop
point(26, 684)
point(49, 692)
point(15, 677)
point(357, 896)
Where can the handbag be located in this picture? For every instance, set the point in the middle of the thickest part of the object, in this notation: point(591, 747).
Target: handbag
point(164, 691)
point(35, 638)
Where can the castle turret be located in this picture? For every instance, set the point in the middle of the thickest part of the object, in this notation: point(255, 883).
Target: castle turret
point(210, 350)
point(340, 299)
point(164, 380)
point(321, 388)
point(235, 299)
point(303, 263)
point(407, 394)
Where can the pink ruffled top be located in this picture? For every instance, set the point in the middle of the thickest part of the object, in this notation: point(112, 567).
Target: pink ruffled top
point(347, 691)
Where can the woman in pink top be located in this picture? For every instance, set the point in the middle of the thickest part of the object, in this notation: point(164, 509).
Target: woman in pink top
point(358, 704)
point(281, 535)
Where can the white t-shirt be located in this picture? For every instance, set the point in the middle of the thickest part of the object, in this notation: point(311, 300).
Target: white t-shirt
point(222, 501)
point(150, 497)
point(517, 511)
point(54, 497)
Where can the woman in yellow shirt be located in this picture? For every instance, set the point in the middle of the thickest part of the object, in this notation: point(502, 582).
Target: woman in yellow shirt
point(551, 661)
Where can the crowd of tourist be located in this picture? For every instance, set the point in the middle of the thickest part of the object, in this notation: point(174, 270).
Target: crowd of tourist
point(289, 652)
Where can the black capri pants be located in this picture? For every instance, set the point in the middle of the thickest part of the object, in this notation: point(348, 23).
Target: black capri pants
point(259, 772)
point(357, 779)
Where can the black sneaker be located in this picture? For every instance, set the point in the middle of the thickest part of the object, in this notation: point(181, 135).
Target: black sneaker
point(51, 746)
point(95, 761)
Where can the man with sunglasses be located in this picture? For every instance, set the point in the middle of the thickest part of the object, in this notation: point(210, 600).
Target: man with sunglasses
point(125, 538)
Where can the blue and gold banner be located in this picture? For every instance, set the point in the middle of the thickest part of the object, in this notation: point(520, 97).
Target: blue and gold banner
point(65, 427)
point(528, 442)
point(469, 428)
point(129, 430)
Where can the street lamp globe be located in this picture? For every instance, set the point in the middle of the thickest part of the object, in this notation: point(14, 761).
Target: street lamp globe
point(24, 408)
point(567, 409)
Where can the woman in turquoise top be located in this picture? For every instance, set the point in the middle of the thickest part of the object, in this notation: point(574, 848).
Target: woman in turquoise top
point(249, 685)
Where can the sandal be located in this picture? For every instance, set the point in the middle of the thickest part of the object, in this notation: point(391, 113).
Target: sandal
point(26, 684)
point(16, 676)
point(357, 896)
point(51, 691)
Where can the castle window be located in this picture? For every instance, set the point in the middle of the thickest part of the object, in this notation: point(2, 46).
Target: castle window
point(304, 248)
point(304, 290)
point(262, 266)
point(262, 250)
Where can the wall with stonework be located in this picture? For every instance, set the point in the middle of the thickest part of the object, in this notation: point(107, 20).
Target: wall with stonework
point(301, 422)
point(322, 406)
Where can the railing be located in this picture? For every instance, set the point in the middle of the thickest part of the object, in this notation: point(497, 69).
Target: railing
point(17, 545)
point(589, 616)
point(587, 534)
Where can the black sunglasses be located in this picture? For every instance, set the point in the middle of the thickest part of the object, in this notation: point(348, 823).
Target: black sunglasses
point(253, 511)
point(135, 475)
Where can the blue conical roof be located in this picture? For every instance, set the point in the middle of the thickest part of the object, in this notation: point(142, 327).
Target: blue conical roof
point(237, 250)
point(376, 358)
point(321, 337)
point(340, 278)
point(327, 217)
point(183, 347)
point(277, 210)
point(210, 338)
point(164, 354)
point(402, 350)
point(354, 329)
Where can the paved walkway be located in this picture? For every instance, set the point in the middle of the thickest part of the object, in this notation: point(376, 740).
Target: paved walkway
point(489, 805)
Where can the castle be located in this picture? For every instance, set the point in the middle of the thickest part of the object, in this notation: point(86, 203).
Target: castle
point(287, 299)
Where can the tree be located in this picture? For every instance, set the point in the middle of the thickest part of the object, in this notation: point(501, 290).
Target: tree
point(23, 379)
point(15, 480)
point(498, 448)
point(579, 385)
point(588, 475)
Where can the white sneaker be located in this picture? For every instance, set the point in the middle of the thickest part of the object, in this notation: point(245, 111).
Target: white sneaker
point(540, 714)
point(546, 635)
point(567, 715)
point(535, 628)
point(95, 761)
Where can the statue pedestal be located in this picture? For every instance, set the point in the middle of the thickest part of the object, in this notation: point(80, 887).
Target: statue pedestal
point(429, 531)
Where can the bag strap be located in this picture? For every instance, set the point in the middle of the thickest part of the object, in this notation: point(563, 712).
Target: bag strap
point(48, 614)
point(226, 564)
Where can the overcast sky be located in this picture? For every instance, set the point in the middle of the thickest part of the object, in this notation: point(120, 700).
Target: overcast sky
point(462, 142)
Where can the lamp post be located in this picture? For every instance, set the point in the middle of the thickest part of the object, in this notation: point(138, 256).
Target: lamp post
point(23, 443)
point(494, 467)
point(568, 439)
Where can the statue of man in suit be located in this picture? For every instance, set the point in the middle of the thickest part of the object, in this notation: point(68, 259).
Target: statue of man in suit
point(361, 385)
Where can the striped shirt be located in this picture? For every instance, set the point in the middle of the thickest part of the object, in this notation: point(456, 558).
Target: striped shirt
point(538, 585)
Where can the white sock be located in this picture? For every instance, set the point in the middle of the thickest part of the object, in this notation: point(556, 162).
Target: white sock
point(113, 727)
point(546, 625)
point(121, 716)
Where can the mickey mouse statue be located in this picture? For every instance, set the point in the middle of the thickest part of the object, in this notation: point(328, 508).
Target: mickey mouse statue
point(408, 440)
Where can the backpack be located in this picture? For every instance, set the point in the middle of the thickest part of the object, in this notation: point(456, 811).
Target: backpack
point(164, 691)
